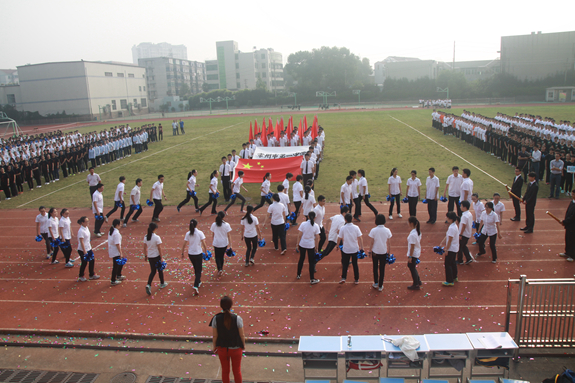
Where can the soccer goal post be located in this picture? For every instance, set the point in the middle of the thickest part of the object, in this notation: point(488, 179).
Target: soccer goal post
point(8, 126)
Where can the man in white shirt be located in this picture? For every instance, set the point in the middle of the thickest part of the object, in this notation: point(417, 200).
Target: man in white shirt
point(352, 239)
point(536, 160)
point(134, 203)
point(284, 198)
point(454, 182)
point(307, 168)
point(277, 212)
point(465, 230)
point(297, 190)
point(93, 179)
point(333, 225)
point(119, 199)
point(226, 172)
point(156, 194)
point(345, 192)
point(319, 211)
point(98, 208)
point(466, 187)
point(432, 195)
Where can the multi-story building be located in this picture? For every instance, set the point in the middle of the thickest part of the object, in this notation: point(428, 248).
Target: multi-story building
point(212, 74)
point(149, 50)
point(379, 73)
point(166, 76)
point(478, 70)
point(8, 76)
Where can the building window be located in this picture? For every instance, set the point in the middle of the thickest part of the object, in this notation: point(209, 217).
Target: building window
point(212, 77)
point(140, 88)
point(263, 56)
point(238, 85)
point(237, 75)
point(120, 75)
point(143, 102)
point(123, 104)
point(237, 66)
point(130, 75)
point(550, 95)
point(113, 104)
point(211, 68)
point(144, 89)
point(263, 65)
point(108, 74)
point(11, 98)
point(263, 74)
point(135, 102)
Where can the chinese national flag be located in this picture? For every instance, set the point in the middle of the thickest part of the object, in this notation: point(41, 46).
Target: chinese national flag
point(255, 170)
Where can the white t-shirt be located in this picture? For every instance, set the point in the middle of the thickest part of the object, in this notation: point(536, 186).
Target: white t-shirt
point(119, 195)
point(415, 240)
point(220, 234)
point(286, 186)
point(479, 208)
point(467, 219)
point(237, 184)
point(453, 232)
point(307, 204)
point(84, 237)
point(152, 245)
point(250, 230)
point(346, 190)
point(136, 194)
point(466, 186)
point(309, 232)
point(192, 183)
point(213, 185)
point(319, 214)
point(43, 220)
point(380, 235)
point(65, 225)
point(157, 189)
point(350, 234)
point(337, 222)
point(394, 183)
point(354, 193)
point(430, 185)
point(412, 185)
point(99, 199)
point(277, 210)
point(454, 185)
point(363, 183)
point(489, 223)
point(93, 179)
point(266, 188)
point(284, 198)
point(53, 227)
point(499, 208)
point(297, 188)
point(114, 239)
point(195, 242)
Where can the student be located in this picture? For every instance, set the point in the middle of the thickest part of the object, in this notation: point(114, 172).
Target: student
point(190, 191)
point(465, 232)
point(226, 172)
point(478, 207)
point(308, 201)
point(530, 200)
point(66, 235)
point(134, 203)
point(84, 246)
point(277, 212)
point(307, 239)
point(228, 340)
point(250, 234)
point(98, 209)
point(413, 192)
point(334, 224)
point(221, 240)
point(345, 192)
point(213, 190)
point(432, 195)
point(394, 188)
point(319, 211)
point(195, 241)
point(238, 185)
point(498, 207)
point(42, 229)
point(414, 251)
point(307, 168)
point(350, 235)
point(454, 182)
point(93, 180)
point(452, 247)
point(284, 198)
point(156, 195)
point(285, 184)
point(355, 195)
point(297, 196)
point(153, 251)
point(115, 252)
point(364, 193)
point(466, 189)
point(516, 189)
point(264, 191)
point(380, 247)
point(53, 233)
point(119, 199)
point(489, 228)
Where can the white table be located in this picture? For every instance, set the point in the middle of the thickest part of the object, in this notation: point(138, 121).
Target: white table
point(395, 359)
point(506, 351)
point(445, 347)
point(320, 353)
point(364, 348)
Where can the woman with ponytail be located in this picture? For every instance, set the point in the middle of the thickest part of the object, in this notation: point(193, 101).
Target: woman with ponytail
point(265, 190)
point(221, 240)
point(153, 250)
point(195, 240)
point(190, 191)
point(212, 192)
point(66, 235)
point(229, 340)
point(308, 201)
point(308, 238)
point(452, 247)
point(53, 232)
point(84, 246)
point(413, 251)
point(394, 187)
point(115, 252)
point(250, 234)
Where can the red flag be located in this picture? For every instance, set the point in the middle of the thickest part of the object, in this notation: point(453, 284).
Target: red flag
point(255, 170)
point(289, 128)
point(278, 128)
point(314, 128)
point(255, 127)
point(304, 123)
point(251, 133)
point(264, 136)
point(300, 132)
point(270, 126)
point(282, 126)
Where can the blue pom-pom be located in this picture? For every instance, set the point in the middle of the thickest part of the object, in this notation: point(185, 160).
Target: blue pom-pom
point(216, 195)
point(341, 247)
point(458, 202)
point(287, 226)
point(369, 196)
point(388, 197)
point(135, 207)
point(161, 265)
point(233, 196)
point(230, 252)
point(207, 256)
point(192, 193)
point(318, 256)
point(405, 200)
point(89, 256)
point(262, 242)
point(270, 195)
point(390, 259)
point(443, 199)
point(291, 216)
point(474, 225)
point(65, 245)
point(121, 261)
point(55, 243)
point(424, 200)
point(439, 250)
point(361, 254)
point(417, 261)
point(99, 217)
point(119, 204)
point(149, 203)
point(476, 235)
point(38, 238)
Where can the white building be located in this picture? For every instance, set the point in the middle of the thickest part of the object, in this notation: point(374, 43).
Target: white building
point(8, 76)
point(84, 88)
point(149, 50)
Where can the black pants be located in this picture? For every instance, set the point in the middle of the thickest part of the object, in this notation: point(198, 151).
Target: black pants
point(517, 207)
point(226, 187)
point(369, 205)
point(154, 268)
point(322, 238)
point(307, 177)
point(411, 265)
point(345, 257)
point(55, 251)
point(92, 190)
point(67, 250)
point(47, 243)
point(463, 250)
point(412, 206)
point(131, 210)
point(220, 252)
point(357, 203)
point(328, 249)
point(197, 264)
point(232, 201)
point(30, 182)
point(310, 259)
point(394, 199)
point(492, 240)
point(123, 208)
point(211, 200)
point(570, 242)
point(432, 210)
point(263, 200)
point(39, 181)
point(158, 207)
point(188, 197)
point(279, 233)
point(116, 269)
point(252, 247)
point(90, 265)
point(379, 261)
point(450, 267)
point(451, 202)
point(98, 224)
point(530, 216)
point(297, 205)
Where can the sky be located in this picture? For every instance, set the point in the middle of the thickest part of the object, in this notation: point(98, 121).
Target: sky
point(36, 31)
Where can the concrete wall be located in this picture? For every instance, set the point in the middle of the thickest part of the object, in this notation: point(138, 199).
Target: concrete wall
point(412, 70)
point(226, 51)
point(6, 90)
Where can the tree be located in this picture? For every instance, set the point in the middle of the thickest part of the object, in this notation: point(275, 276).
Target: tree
point(261, 84)
point(205, 87)
point(184, 90)
point(181, 106)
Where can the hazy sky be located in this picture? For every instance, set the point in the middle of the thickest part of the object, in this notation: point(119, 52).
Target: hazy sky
point(35, 31)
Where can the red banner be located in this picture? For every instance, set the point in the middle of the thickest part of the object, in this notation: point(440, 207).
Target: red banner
point(255, 170)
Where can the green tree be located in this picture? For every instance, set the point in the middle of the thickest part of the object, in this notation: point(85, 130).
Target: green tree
point(261, 84)
point(184, 90)
point(205, 87)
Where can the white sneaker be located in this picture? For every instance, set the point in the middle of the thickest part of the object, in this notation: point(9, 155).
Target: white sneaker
point(121, 278)
point(125, 225)
point(569, 259)
point(196, 290)
point(106, 218)
point(314, 281)
point(114, 283)
point(55, 262)
point(375, 285)
point(82, 279)
point(69, 264)
point(98, 235)
point(400, 216)
point(148, 290)
point(162, 285)
point(94, 277)
point(390, 217)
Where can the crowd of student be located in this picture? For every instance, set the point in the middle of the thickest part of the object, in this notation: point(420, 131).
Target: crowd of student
point(41, 159)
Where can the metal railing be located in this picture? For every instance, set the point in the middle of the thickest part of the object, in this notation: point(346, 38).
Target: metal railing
point(544, 314)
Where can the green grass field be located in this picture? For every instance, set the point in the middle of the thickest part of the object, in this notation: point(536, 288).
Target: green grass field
point(372, 140)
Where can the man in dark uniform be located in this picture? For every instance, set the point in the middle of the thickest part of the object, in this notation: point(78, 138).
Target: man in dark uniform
point(569, 224)
point(516, 189)
point(530, 200)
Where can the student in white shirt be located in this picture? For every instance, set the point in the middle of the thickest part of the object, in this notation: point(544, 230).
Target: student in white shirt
point(454, 182)
point(466, 187)
point(308, 201)
point(134, 203)
point(394, 188)
point(489, 227)
point(264, 191)
point(478, 207)
point(364, 193)
point(42, 229)
point(355, 199)
point(213, 190)
point(153, 251)
point(250, 234)
point(319, 211)
point(498, 207)
point(414, 251)
point(115, 252)
point(156, 194)
point(345, 193)
point(226, 172)
point(190, 191)
point(53, 233)
point(98, 208)
point(237, 186)
point(297, 191)
point(380, 248)
point(221, 240)
point(85, 246)
point(465, 232)
point(119, 199)
point(307, 168)
point(277, 212)
point(432, 195)
point(413, 193)
point(451, 248)
point(195, 241)
point(333, 225)
point(66, 235)
point(350, 235)
point(284, 198)
point(307, 239)
point(285, 183)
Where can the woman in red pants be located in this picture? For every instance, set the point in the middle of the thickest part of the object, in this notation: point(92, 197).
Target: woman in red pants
point(229, 340)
